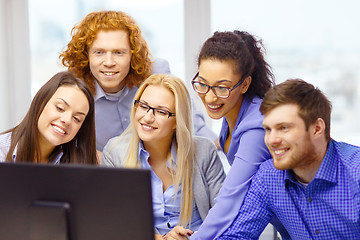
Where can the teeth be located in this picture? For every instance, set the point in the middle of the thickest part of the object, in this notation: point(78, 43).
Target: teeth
point(147, 127)
point(214, 106)
point(279, 151)
point(109, 73)
point(59, 129)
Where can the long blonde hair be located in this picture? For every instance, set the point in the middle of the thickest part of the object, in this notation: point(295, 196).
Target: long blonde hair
point(183, 139)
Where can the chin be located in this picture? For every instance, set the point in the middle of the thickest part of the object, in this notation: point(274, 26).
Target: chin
point(215, 116)
point(279, 165)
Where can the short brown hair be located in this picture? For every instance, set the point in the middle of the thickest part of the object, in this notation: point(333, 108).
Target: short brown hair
point(312, 102)
point(76, 56)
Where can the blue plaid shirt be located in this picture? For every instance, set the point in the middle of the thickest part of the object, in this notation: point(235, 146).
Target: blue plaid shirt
point(328, 208)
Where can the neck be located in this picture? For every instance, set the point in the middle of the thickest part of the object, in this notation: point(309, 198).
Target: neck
point(307, 172)
point(45, 151)
point(159, 152)
point(232, 116)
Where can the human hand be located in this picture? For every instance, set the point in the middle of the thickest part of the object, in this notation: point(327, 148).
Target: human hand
point(178, 233)
point(158, 237)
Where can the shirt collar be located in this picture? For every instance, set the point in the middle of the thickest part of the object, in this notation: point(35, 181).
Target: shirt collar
point(144, 155)
point(99, 93)
point(328, 167)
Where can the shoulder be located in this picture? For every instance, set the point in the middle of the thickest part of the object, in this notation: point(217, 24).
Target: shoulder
point(205, 150)
point(204, 146)
point(251, 117)
point(116, 147)
point(160, 66)
point(203, 141)
point(349, 154)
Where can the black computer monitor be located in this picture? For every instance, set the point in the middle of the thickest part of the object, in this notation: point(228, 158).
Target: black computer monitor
point(67, 202)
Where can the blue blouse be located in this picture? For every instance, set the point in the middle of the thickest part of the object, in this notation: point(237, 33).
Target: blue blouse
point(166, 206)
point(246, 152)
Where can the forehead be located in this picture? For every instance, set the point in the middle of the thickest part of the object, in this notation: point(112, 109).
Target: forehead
point(111, 38)
point(73, 96)
point(285, 113)
point(214, 70)
point(158, 96)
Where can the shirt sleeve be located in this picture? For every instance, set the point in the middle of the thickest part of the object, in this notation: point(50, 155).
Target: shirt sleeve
point(251, 152)
point(253, 216)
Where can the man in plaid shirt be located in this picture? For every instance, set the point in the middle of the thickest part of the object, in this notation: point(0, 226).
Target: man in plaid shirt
point(312, 183)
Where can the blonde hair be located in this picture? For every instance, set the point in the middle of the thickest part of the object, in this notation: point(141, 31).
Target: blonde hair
point(183, 139)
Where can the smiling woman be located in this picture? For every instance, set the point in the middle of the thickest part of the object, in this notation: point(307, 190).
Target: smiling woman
point(58, 128)
point(186, 170)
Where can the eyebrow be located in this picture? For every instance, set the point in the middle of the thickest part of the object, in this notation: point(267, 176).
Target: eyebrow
point(67, 104)
point(279, 124)
point(95, 48)
point(161, 107)
point(219, 81)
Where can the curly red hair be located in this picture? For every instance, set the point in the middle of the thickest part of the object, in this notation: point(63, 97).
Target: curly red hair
point(76, 57)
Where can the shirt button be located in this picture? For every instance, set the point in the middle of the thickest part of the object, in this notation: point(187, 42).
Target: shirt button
point(317, 231)
point(125, 119)
point(310, 199)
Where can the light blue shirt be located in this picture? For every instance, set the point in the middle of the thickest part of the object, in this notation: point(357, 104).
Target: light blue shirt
point(327, 208)
point(246, 152)
point(5, 142)
point(166, 205)
point(112, 112)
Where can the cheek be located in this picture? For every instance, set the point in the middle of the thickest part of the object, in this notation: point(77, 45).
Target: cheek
point(75, 130)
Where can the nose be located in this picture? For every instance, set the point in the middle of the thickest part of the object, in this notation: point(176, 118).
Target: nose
point(149, 116)
point(272, 138)
point(109, 60)
point(210, 96)
point(66, 117)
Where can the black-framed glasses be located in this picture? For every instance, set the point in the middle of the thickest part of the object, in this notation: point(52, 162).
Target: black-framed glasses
point(157, 112)
point(221, 92)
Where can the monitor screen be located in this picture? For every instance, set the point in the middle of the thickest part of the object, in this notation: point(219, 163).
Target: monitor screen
point(72, 202)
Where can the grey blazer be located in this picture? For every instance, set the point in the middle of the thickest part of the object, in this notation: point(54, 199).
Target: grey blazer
point(208, 171)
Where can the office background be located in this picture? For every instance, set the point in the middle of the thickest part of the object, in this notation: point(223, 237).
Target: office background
point(317, 41)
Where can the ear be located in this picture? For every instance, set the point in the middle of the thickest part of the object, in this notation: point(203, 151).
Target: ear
point(318, 128)
point(245, 85)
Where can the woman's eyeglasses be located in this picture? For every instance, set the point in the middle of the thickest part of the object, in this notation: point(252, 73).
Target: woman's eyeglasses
point(221, 92)
point(157, 112)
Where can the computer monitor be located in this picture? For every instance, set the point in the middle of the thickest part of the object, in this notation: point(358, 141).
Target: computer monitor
point(73, 202)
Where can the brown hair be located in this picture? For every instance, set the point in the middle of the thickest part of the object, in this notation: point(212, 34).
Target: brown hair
point(312, 103)
point(24, 137)
point(76, 56)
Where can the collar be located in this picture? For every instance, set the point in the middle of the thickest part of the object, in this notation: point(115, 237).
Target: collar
point(144, 155)
point(99, 93)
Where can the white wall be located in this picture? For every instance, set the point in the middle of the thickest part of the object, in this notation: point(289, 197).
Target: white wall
point(15, 79)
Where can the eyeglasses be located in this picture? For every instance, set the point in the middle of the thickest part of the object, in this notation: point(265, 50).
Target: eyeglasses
point(158, 112)
point(221, 92)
